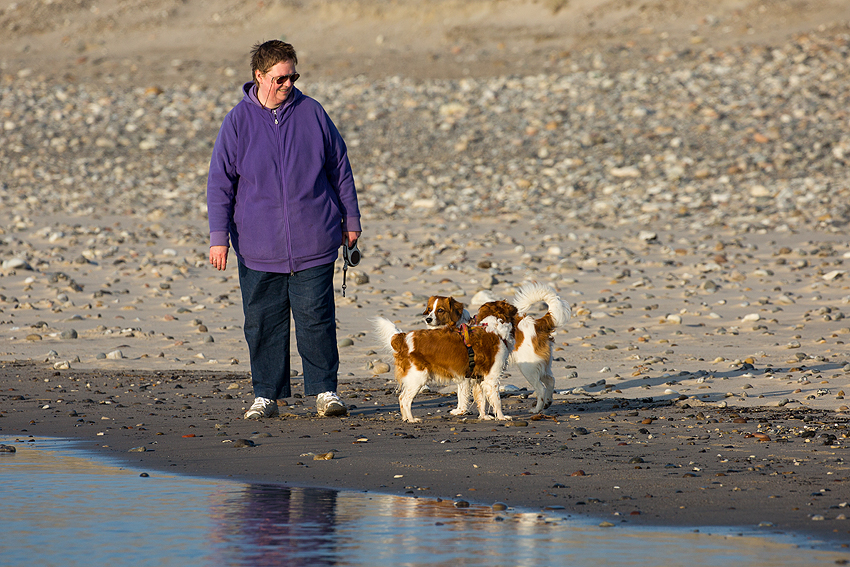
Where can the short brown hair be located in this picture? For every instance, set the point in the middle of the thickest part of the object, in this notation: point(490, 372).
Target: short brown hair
point(267, 54)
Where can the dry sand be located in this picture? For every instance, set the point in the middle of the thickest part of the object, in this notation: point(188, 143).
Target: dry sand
point(700, 382)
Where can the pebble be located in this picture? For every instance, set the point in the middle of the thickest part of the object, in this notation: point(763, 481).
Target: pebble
point(16, 264)
point(380, 368)
point(239, 443)
point(482, 297)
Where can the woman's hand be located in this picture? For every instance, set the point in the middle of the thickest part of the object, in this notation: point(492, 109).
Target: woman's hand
point(350, 237)
point(218, 257)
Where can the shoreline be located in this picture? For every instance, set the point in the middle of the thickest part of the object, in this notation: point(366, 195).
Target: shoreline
point(568, 461)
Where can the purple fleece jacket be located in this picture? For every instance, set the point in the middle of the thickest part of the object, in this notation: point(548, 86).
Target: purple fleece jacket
point(280, 185)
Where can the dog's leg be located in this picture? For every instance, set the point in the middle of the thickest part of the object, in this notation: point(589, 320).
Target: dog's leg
point(463, 387)
point(480, 400)
point(490, 392)
point(490, 388)
point(548, 389)
point(534, 373)
point(548, 381)
point(410, 386)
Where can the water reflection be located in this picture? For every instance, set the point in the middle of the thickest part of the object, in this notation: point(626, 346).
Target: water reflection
point(62, 507)
point(275, 525)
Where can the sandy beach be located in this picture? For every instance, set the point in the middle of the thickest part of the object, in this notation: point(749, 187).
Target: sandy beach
point(679, 176)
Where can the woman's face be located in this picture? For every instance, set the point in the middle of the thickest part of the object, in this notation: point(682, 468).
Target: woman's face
point(270, 93)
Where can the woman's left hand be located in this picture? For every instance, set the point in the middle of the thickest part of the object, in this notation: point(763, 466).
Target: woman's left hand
point(350, 237)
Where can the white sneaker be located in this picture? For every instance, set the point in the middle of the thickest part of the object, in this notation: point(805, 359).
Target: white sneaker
point(328, 404)
point(262, 407)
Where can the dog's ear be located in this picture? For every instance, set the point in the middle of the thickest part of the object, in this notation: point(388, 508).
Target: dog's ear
point(510, 312)
point(484, 311)
point(456, 308)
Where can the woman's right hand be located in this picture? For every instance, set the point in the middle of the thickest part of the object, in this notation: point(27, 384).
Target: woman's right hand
point(218, 257)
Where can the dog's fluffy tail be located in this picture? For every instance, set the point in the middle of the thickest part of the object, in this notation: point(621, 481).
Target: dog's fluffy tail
point(533, 292)
point(387, 332)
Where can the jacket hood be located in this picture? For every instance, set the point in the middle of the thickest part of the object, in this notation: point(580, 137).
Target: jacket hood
point(249, 93)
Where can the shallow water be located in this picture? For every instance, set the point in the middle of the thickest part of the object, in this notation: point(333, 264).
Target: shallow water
point(63, 506)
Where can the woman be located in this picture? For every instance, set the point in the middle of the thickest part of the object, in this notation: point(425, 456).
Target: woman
point(281, 191)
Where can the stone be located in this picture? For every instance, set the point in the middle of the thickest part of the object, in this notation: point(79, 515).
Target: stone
point(16, 264)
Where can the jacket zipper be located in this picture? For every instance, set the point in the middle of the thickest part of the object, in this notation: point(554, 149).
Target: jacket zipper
point(283, 196)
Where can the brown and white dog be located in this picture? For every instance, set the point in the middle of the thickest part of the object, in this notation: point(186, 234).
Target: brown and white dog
point(441, 355)
point(441, 311)
point(533, 337)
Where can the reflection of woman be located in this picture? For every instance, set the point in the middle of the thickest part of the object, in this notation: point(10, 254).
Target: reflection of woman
point(281, 190)
point(279, 526)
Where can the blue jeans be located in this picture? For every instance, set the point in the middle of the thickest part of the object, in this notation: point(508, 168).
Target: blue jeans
point(267, 300)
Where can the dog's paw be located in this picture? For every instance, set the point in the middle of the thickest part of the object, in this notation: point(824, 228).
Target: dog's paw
point(457, 411)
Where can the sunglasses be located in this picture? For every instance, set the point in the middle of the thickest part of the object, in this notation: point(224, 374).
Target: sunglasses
point(283, 78)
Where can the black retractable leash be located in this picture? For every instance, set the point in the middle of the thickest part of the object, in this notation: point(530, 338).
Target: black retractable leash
point(350, 257)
